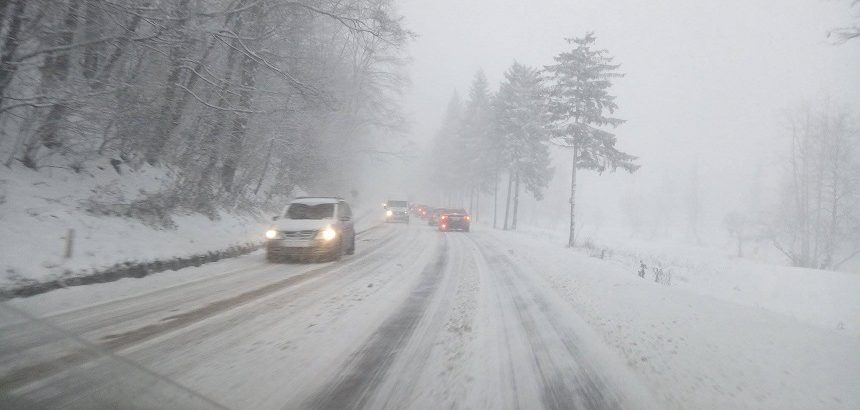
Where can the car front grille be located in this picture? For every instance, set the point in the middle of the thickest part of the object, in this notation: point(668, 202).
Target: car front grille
point(308, 234)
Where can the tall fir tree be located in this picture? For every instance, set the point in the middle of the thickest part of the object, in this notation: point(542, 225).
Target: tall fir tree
point(580, 108)
point(476, 122)
point(521, 122)
point(445, 167)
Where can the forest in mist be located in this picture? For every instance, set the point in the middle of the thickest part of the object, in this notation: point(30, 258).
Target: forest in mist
point(241, 100)
point(245, 103)
point(790, 194)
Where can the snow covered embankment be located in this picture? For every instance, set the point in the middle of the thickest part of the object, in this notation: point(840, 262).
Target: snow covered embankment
point(39, 211)
point(820, 298)
point(699, 346)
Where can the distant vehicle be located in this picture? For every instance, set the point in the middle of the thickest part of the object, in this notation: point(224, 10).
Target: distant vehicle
point(433, 216)
point(397, 211)
point(312, 228)
point(454, 220)
point(421, 211)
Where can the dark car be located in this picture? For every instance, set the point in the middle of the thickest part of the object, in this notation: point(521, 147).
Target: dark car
point(433, 216)
point(454, 220)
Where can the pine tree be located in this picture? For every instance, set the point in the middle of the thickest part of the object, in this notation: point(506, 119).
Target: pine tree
point(521, 122)
point(579, 105)
point(445, 168)
point(475, 129)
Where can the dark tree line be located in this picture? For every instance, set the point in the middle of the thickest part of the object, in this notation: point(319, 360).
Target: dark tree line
point(242, 99)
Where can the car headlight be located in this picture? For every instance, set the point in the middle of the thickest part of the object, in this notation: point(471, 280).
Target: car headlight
point(327, 234)
point(271, 234)
point(389, 213)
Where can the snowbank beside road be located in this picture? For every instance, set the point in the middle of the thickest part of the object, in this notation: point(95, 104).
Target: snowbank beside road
point(38, 209)
point(722, 351)
point(821, 298)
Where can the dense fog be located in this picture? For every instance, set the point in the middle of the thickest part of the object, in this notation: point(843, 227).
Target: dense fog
point(709, 95)
point(430, 204)
point(248, 104)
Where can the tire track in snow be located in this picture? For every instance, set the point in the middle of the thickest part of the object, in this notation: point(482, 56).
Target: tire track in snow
point(178, 354)
point(362, 375)
point(29, 373)
point(435, 371)
point(17, 337)
point(563, 379)
point(415, 378)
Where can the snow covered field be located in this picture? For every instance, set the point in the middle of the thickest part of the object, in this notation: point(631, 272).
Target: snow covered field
point(420, 319)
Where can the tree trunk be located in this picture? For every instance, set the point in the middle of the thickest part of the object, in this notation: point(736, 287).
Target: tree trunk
point(10, 42)
point(823, 142)
point(92, 52)
point(571, 239)
point(477, 213)
point(55, 71)
point(240, 123)
point(508, 200)
point(516, 201)
point(265, 166)
point(210, 147)
point(106, 71)
point(471, 201)
point(496, 199)
point(834, 209)
point(805, 223)
point(164, 126)
point(169, 106)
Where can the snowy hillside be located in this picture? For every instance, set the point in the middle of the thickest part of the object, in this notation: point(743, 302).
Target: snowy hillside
point(38, 210)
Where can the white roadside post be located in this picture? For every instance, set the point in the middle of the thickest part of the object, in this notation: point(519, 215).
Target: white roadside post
point(70, 239)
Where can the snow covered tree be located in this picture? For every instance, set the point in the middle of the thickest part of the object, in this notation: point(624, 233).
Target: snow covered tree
point(743, 228)
point(205, 88)
point(521, 125)
point(477, 157)
point(580, 106)
point(444, 169)
point(817, 224)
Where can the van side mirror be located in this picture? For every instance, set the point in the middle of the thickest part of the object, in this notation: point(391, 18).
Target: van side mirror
point(276, 217)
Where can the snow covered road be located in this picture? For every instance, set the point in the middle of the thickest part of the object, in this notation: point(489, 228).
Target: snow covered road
point(416, 318)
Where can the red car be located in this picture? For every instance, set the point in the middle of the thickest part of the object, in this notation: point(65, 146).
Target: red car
point(421, 211)
point(454, 220)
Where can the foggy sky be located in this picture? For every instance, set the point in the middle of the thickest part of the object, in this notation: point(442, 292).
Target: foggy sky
point(706, 81)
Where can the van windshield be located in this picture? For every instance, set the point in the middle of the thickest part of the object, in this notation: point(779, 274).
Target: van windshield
point(310, 211)
point(397, 204)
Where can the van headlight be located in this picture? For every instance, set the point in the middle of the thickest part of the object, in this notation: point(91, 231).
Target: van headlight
point(389, 213)
point(271, 234)
point(327, 234)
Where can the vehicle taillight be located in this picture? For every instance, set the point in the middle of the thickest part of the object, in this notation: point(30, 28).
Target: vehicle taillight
point(444, 217)
point(444, 226)
point(468, 218)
